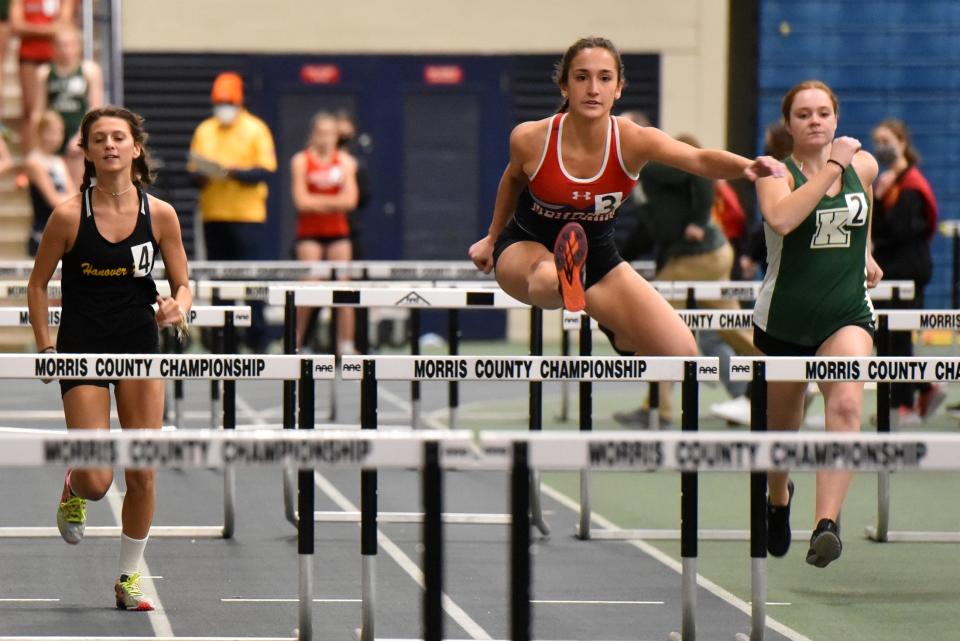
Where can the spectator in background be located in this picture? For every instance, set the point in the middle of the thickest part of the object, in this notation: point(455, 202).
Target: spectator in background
point(50, 181)
point(36, 22)
point(232, 156)
point(324, 186)
point(778, 143)
point(905, 220)
point(350, 143)
point(71, 87)
point(632, 234)
point(689, 246)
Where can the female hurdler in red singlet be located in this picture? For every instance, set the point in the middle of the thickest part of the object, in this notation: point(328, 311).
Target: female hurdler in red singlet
point(551, 239)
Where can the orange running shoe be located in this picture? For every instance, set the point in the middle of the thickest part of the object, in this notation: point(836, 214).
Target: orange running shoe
point(570, 254)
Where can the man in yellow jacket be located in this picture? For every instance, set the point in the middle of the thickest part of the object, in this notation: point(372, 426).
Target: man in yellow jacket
point(232, 154)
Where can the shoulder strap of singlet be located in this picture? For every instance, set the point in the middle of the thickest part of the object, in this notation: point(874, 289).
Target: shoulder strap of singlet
point(615, 124)
point(552, 127)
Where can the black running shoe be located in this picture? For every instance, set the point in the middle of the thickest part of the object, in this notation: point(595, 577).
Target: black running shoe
point(825, 545)
point(778, 525)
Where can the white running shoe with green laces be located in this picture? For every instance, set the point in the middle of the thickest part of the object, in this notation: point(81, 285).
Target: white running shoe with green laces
point(71, 514)
point(129, 595)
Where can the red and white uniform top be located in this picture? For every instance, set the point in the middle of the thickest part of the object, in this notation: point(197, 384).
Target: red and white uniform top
point(553, 194)
point(323, 178)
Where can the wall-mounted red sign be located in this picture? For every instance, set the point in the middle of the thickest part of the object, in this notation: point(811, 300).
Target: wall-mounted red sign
point(325, 74)
point(443, 74)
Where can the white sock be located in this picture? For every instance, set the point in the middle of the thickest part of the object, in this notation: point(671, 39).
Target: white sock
point(131, 553)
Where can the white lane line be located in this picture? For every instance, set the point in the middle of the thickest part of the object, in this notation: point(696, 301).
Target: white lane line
point(673, 564)
point(25, 600)
point(585, 602)
point(294, 600)
point(157, 617)
point(247, 410)
point(404, 405)
point(456, 613)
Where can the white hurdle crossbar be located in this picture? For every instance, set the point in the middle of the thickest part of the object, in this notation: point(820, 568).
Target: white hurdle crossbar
point(156, 366)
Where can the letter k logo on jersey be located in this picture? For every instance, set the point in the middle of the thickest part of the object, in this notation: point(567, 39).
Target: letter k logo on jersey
point(582, 195)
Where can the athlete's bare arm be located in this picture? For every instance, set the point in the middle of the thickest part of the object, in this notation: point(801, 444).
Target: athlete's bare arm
point(640, 144)
point(867, 170)
point(526, 149)
point(784, 208)
point(58, 237)
point(166, 231)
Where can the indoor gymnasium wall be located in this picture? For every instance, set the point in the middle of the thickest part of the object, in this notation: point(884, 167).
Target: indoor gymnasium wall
point(689, 35)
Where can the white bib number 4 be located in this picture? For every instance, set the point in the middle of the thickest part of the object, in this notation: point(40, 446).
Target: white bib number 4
point(142, 259)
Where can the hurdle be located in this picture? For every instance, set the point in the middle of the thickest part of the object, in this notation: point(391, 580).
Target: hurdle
point(413, 298)
point(304, 450)
point(883, 371)
point(154, 366)
point(659, 451)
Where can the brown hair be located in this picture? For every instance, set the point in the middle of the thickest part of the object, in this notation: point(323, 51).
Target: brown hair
point(902, 133)
point(777, 141)
point(562, 68)
point(140, 171)
point(787, 103)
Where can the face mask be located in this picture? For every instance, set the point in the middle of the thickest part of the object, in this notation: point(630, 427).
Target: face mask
point(226, 114)
point(886, 155)
point(345, 142)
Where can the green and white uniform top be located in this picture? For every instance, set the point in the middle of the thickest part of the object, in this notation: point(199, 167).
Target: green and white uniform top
point(816, 280)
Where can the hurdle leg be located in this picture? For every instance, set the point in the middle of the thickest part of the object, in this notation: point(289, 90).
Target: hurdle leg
point(305, 502)
point(758, 514)
point(368, 508)
point(453, 349)
point(520, 545)
point(415, 385)
point(432, 492)
point(289, 402)
point(229, 423)
point(177, 391)
point(688, 514)
point(880, 533)
point(536, 419)
point(586, 425)
point(564, 385)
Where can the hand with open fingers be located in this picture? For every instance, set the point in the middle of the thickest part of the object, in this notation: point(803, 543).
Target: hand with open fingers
point(481, 253)
point(844, 149)
point(874, 273)
point(763, 166)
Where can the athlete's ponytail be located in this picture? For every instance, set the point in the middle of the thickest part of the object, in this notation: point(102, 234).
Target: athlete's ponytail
point(141, 172)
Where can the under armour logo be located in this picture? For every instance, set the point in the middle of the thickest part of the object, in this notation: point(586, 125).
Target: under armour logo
point(585, 195)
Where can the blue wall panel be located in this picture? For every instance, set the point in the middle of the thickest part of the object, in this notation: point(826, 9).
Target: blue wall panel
point(884, 58)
